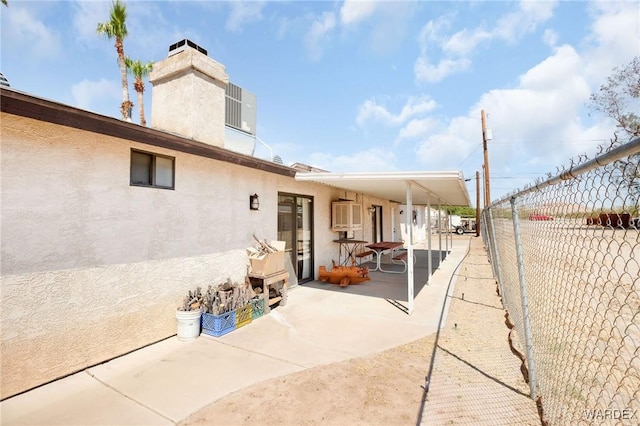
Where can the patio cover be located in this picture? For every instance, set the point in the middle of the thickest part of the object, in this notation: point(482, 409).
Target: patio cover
point(421, 188)
point(446, 188)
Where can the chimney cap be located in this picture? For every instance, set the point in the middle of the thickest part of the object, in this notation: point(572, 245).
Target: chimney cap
point(180, 46)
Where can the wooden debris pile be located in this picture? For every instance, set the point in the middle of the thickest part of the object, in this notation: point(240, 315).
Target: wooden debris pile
point(219, 298)
point(262, 249)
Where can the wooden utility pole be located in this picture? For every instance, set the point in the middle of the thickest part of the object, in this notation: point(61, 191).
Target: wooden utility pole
point(477, 204)
point(487, 189)
point(484, 187)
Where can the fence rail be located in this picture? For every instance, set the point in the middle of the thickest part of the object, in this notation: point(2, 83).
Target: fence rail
point(566, 254)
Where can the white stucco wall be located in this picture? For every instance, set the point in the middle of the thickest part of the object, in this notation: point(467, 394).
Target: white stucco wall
point(93, 267)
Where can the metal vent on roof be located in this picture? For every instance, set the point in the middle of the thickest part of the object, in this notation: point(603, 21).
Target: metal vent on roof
point(182, 44)
point(277, 159)
point(233, 106)
point(3, 81)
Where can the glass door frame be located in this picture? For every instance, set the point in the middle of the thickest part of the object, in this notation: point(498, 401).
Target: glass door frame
point(294, 246)
point(376, 224)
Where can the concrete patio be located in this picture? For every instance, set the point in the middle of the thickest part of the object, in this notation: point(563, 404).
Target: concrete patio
point(166, 382)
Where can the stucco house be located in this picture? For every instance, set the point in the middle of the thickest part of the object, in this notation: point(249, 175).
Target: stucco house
point(106, 224)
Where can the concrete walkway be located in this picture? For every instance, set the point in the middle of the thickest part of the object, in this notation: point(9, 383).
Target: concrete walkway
point(475, 379)
point(321, 324)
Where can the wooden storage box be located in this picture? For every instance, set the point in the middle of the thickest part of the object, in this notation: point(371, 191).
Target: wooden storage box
point(269, 264)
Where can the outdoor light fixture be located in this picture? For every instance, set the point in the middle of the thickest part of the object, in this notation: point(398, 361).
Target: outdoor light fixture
point(254, 202)
point(372, 209)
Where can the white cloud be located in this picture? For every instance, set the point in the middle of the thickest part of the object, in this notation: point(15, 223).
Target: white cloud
point(355, 11)
point(86, 94)
point(447, 149)
point(419, 127)
point(318, 34)
point(370, 160)
point(87, 15)
point(540, 123)
point(465, 42)
point(457, 48)
point(391, 26)
point(387, 23)
point(550, 37)
point(146, 27)
point(613, 40)
point(536, 123)
point(370, 110)
point(27, 33)
point(425, 71)
point(432, 32)
point(386, 26)
point(526, 19)
point(243, 13)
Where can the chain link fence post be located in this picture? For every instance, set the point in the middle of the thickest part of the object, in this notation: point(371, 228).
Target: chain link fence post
point(495, 256)
point(524, 299)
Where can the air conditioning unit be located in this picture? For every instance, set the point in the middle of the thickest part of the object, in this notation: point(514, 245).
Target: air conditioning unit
point(346, 216)
point(240, 109)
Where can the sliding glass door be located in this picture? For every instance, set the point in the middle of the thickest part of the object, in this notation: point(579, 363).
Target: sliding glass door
point(295, 228)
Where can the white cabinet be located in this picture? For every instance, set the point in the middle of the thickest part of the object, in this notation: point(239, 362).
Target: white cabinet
point(346, 216)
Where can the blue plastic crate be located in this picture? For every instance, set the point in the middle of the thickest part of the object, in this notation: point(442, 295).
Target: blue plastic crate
point(217, 325)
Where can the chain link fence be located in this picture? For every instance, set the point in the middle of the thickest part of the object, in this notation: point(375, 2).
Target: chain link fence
point(566, 254)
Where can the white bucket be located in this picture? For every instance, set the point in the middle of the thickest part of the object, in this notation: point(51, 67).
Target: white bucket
point(188, 324)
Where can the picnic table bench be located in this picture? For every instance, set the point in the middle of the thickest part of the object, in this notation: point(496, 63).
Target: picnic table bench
point(364, 254)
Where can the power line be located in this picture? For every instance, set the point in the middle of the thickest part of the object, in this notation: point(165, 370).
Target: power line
point(468, 156)
point(545, 142)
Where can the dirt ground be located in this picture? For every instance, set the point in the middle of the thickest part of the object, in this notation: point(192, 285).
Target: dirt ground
point(382, 389)
point(476, 379)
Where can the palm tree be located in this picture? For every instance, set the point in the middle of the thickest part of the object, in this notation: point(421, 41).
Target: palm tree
point(116, 28)
point(5, 3)
point(139, 70)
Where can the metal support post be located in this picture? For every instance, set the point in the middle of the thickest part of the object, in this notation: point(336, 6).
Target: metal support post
point(477, 204)
point(439, 235)
point(495, 256)
point(446, 236)
point(525, 300)
point(429, 260)
point(410, 295)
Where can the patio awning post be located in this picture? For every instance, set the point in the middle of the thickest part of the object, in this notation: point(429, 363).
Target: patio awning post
point(409, 220)
point(429, 261)
point(439, 234)
point(446, 237)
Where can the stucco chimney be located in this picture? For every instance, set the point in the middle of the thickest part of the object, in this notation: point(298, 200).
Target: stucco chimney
point(188, 94)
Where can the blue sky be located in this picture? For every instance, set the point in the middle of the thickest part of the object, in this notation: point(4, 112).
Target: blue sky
point(360, 85)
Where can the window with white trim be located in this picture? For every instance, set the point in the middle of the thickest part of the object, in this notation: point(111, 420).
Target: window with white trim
point(149, 169)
